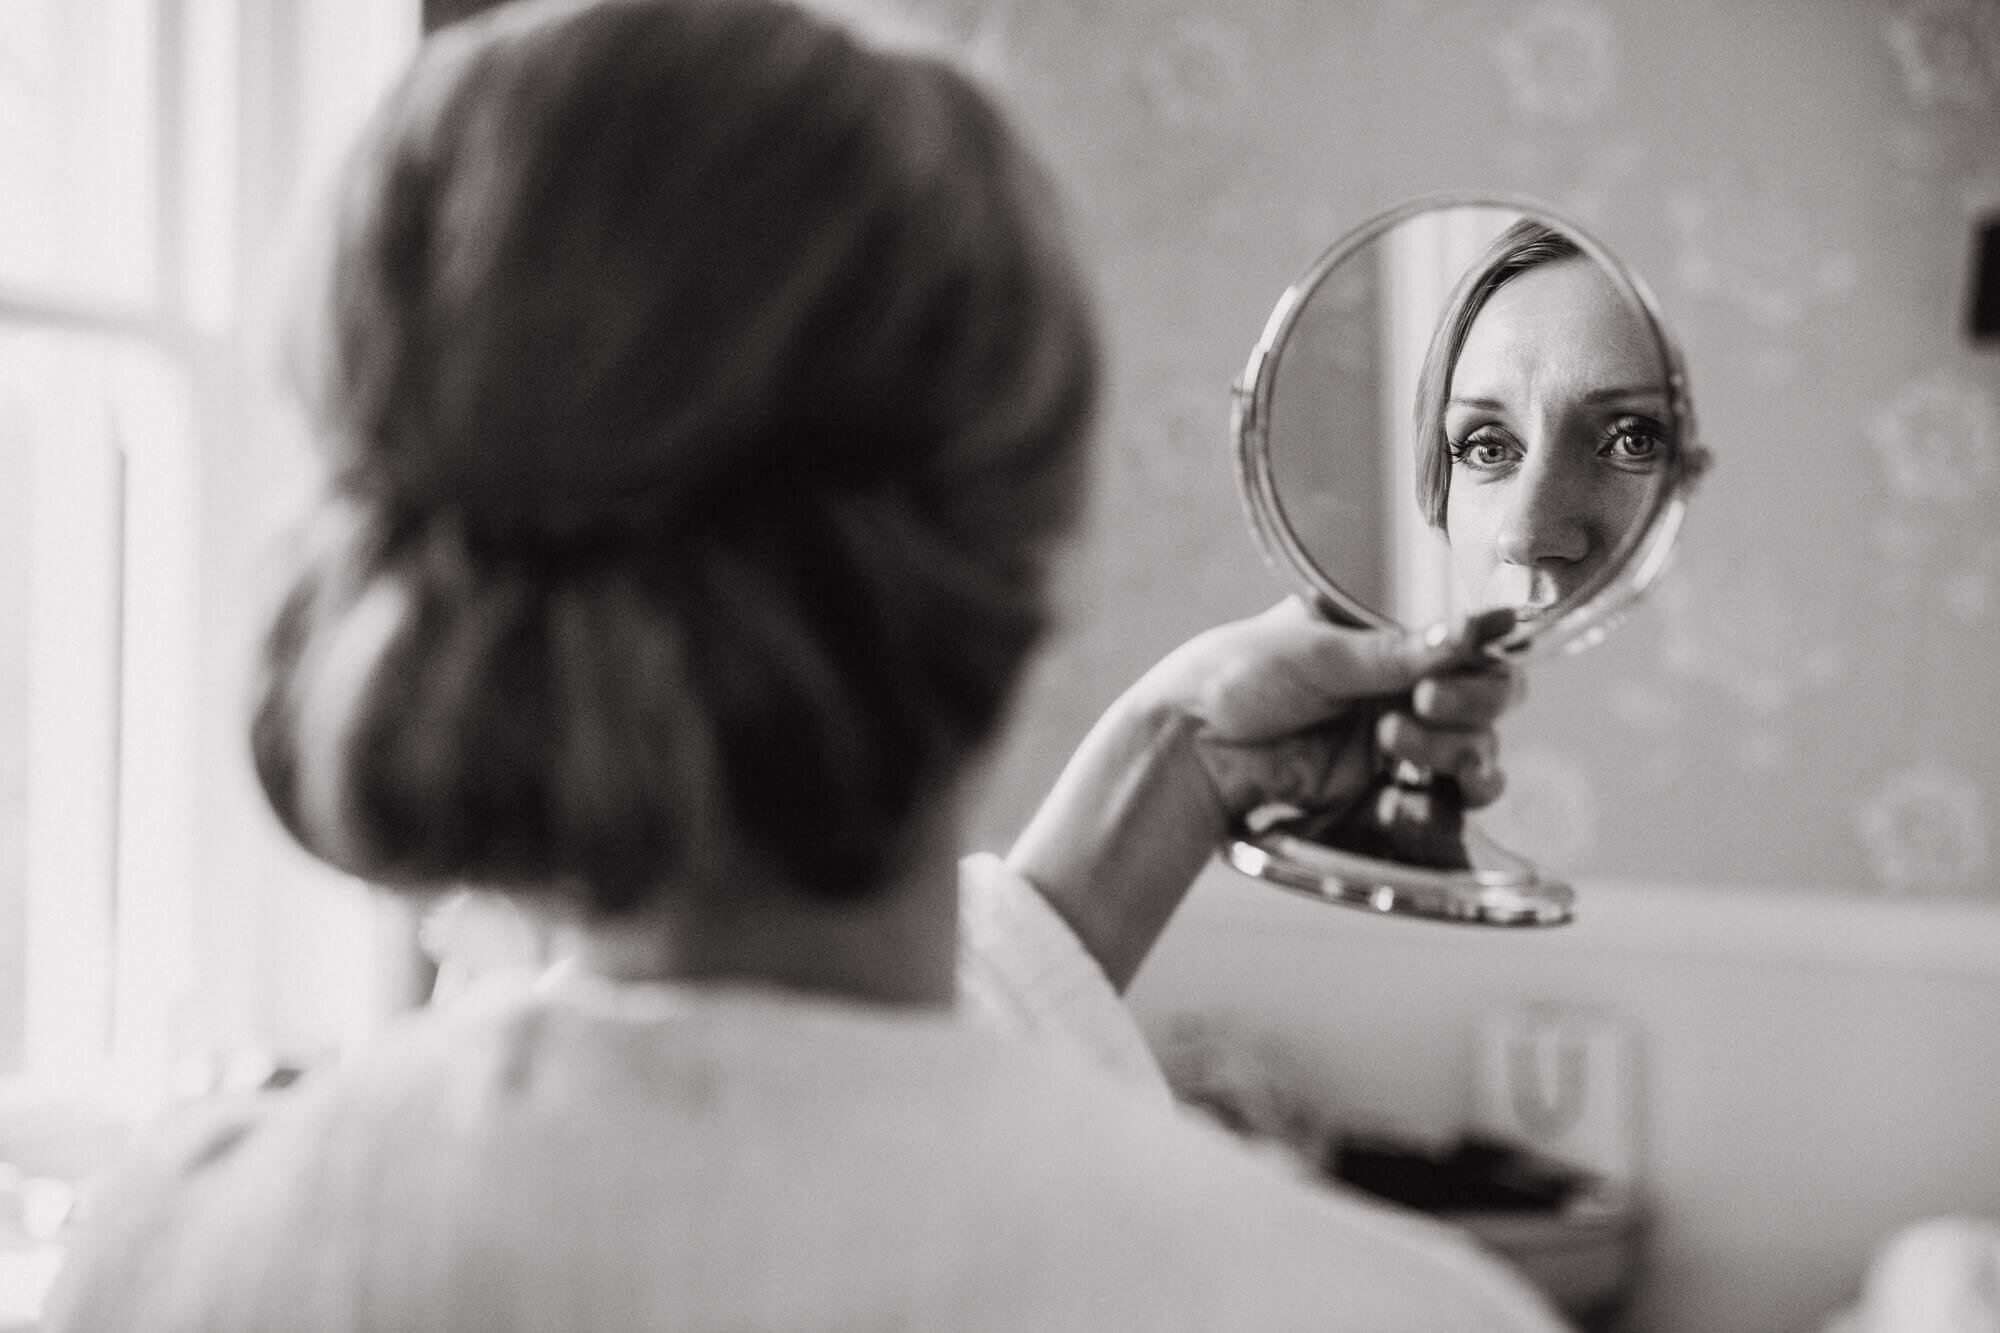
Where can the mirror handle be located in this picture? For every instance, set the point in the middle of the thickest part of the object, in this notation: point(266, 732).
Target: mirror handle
point(1408, 815)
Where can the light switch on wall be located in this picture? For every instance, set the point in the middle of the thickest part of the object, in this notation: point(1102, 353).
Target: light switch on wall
point(1563, 1082)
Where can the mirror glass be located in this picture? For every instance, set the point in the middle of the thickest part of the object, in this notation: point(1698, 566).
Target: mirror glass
point(1465, 403)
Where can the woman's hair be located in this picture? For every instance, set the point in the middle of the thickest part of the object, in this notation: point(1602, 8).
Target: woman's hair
point(1525, 245)
point(703, 391)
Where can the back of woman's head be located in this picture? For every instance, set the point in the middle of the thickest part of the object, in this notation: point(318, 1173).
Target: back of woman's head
point(1525, 245)
point(702, 391)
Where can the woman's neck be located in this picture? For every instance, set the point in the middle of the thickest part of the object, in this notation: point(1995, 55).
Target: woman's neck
point(898, 945)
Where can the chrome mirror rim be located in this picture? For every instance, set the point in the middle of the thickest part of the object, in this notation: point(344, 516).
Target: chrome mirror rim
point(1518, 896)
point(1642, 555)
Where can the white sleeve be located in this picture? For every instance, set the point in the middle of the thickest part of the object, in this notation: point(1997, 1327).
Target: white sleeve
point(1023, 973)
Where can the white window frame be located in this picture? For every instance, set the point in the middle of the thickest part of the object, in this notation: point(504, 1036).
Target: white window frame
point(125, 928)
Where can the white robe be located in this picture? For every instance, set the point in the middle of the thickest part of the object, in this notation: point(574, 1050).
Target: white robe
point(590, 1156)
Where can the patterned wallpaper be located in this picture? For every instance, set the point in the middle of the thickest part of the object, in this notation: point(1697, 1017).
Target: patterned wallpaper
point(1808, 702)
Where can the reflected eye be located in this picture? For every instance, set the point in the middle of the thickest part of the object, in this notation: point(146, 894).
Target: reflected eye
point(1483, 451)
point(1633, 442)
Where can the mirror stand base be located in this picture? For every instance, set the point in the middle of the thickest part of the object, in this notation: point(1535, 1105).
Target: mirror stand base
point(1501, 890)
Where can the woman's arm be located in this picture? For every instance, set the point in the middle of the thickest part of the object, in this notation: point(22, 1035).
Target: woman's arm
point(1280, 707)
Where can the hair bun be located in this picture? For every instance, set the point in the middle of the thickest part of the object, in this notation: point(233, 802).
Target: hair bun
point(521, 494)
point(706, 388)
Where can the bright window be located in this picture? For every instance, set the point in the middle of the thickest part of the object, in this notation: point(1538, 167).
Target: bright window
point(96, 385)
point(150, 153)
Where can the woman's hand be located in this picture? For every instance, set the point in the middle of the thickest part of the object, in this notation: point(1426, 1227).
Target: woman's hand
point(1277, 701)
point(1281, 708)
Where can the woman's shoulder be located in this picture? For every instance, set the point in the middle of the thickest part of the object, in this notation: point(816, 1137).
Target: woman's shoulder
point(216, 1191)
point(1205, 1222)
point(539, 1140)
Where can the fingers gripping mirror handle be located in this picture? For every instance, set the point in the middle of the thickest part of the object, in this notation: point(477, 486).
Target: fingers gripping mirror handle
point(1408, 814)
point(1417, 817)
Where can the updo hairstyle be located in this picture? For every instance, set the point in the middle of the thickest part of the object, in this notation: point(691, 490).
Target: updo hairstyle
point(702, 391)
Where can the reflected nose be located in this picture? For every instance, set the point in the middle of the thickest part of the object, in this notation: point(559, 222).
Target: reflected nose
point(1547, 522)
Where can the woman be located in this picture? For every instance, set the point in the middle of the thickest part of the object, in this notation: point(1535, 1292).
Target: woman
point(703, 391)
point(1539, 421)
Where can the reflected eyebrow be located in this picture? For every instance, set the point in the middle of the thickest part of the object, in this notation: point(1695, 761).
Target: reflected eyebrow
point(1632, 391)
point(1615, 393)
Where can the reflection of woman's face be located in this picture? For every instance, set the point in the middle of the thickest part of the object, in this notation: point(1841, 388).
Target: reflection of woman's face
point(1553, 422)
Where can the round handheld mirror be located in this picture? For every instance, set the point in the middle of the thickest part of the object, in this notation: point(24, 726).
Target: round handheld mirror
point(1466, 402)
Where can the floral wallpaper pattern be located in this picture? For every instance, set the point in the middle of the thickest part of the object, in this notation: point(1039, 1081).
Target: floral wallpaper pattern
point(1947, 52)
point(1560, 62)
point(1806, 703)
point(1926, 830)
